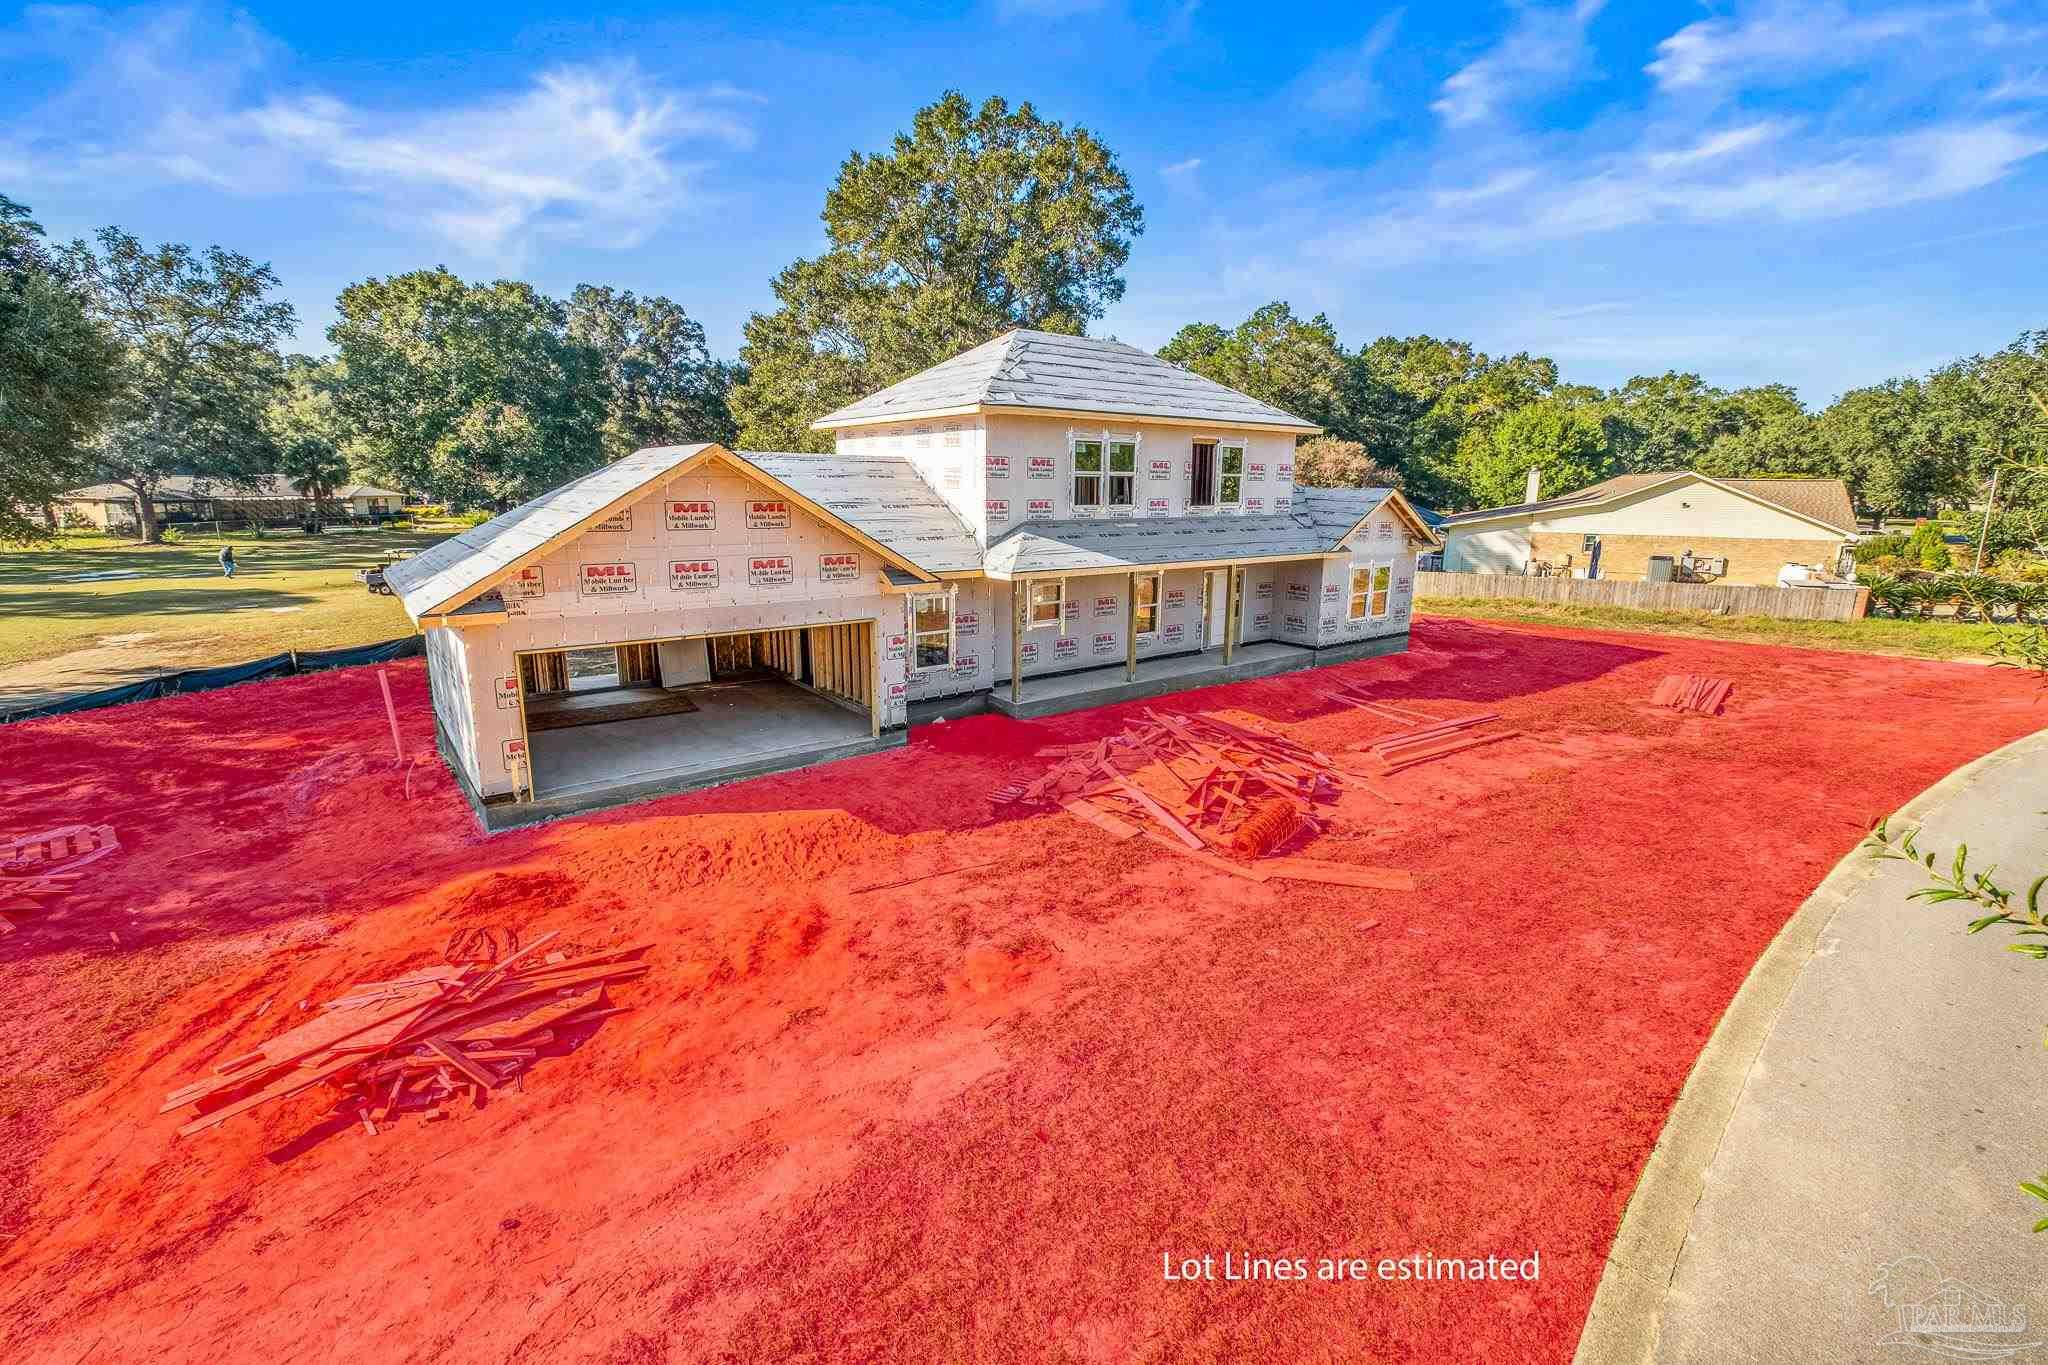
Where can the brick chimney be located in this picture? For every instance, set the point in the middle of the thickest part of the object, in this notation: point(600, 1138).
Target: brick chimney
point(1534, 488)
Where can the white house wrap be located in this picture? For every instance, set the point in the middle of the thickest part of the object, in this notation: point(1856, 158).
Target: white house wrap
point(1044, 507)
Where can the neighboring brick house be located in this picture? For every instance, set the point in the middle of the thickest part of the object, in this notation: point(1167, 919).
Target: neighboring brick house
point(1757, 526)
point(1042, 523)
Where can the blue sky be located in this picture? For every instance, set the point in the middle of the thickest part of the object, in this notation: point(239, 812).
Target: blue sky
point(1825, 194)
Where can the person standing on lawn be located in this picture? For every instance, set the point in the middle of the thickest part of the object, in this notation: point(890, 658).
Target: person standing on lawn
point(227, 560)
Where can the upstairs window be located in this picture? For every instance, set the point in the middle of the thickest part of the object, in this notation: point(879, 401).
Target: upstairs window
point(1047, 601)
point(952, 437)
point(1202, 475)
point(1123, 473)
point(1147, 612)
point(1087, 473)
point(931, 628)
point(1231, 492)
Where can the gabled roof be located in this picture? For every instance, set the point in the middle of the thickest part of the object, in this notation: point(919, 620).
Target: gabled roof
point(1027, 371)
point(1825, 501)
point(878, 501)
point(437, 576)
point(1095, 546)
point(1337, 512)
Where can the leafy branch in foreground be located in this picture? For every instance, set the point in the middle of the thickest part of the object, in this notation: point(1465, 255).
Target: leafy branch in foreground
point(1958, 883)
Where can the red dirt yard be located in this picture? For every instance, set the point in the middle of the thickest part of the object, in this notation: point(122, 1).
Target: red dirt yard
point(963, 1120)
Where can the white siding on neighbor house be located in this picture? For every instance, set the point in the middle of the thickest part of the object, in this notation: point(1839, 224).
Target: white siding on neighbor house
point(564, 617)
point(1497, 549)
point(1694, 509)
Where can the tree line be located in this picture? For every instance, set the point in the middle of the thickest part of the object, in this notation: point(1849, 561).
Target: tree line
point(124, 363)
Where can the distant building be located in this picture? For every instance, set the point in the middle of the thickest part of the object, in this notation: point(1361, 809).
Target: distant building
point(1729, 530)
point(272, 500)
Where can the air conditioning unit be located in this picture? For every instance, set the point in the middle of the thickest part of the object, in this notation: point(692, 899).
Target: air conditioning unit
point(1659, 569)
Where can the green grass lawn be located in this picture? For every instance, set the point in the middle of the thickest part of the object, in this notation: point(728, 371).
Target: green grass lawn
point(290, 591)
point(1939, 639)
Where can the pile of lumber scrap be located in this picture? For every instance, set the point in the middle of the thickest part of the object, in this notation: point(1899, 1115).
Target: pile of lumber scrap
point(1692, 692)
point(1230, 776)
point(37, 870)
point(415, 1043)
point(1424, 739)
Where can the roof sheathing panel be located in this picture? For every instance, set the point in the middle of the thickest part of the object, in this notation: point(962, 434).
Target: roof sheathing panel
point(1082, 546)
point(883, 497)
point(1050, 371)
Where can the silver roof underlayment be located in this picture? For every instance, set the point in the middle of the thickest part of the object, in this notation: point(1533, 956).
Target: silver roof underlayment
point(440, 572)
point(883, 497)
point(1334, 511)
point(1050, 371)
point(1091, 546)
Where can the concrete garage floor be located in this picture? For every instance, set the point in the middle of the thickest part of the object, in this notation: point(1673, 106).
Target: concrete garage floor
point(735, 724)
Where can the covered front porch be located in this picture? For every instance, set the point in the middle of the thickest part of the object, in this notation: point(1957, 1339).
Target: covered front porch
point(1054, 693)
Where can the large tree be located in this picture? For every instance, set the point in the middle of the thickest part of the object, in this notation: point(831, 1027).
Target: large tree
point(662, 386)
point(307, 429)
point(1903, 451)
point(475, 394)
point(1296, 364)
point(974, 222)
point(57, 378)
point(1563, 442)
point(197, 335)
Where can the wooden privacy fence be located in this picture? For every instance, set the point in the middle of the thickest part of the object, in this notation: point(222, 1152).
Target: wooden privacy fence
point(1723, 599)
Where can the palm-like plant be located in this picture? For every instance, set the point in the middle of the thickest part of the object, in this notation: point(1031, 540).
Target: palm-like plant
point(2029, 601)
point(1888, 593)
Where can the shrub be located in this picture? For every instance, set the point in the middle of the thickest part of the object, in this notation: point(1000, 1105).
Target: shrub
point(1926, 548)
point(476, 518)
point(1873, 548)
point(1888, 594)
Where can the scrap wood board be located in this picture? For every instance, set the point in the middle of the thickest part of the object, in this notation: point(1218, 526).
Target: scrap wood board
point(409, 1044)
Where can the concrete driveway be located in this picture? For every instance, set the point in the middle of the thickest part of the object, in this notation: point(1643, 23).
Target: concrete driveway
point(1839, 1180)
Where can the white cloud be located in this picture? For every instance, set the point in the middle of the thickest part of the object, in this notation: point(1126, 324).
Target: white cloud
point(597, 156)
point(2019, 88)
point(1181, 168)
point(1781, 43)
point(1541, 52)
point(1345, 84)
point(1715, 146)
point(1638, 188)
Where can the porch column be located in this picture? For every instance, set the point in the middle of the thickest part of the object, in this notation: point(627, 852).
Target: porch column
point(1020, 593)
point(1231, 583)
point(1130, 627)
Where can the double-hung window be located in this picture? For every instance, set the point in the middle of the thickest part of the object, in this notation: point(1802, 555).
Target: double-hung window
point(1230, 459)
point(1087, 472)
point(1046, 602)
point(931, 629)
point(1146, 614)
point(1123, 473)
point(1369, 584)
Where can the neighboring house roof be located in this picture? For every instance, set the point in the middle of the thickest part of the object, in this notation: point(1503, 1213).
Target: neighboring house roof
point(1089, 546)
point(364, 490)
point(883, 496)
point(1027, 371)
point(877, 500)
point(1820, 500)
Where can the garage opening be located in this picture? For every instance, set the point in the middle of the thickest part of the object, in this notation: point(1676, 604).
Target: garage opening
point(604, 717)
